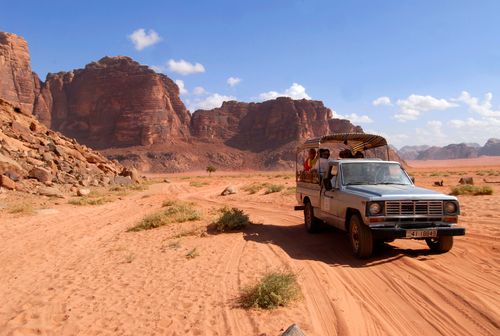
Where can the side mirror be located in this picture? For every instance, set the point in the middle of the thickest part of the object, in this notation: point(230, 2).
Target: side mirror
point(412, 178)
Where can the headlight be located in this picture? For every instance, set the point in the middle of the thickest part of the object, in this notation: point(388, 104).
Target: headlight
point(450, 208)
point(375, 208)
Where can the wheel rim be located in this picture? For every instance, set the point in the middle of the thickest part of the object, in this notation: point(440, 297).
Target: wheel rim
point(355, 235)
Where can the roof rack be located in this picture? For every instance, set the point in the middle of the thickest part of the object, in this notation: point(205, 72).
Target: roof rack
point(357, 141)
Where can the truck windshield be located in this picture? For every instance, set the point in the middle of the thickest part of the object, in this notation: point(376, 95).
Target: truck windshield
point(357, 173)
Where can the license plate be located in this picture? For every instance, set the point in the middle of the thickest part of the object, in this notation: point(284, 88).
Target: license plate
point(421, 233)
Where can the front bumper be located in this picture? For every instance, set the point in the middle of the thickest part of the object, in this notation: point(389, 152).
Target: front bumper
point(393, 232)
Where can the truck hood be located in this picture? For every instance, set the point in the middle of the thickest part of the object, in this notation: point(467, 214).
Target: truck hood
point(395, 191)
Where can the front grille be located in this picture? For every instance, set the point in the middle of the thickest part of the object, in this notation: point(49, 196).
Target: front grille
point(412, 208)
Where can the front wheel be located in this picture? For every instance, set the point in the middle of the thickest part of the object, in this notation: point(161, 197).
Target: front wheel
point(360, 237)
point(440, 244)
point(311, 222)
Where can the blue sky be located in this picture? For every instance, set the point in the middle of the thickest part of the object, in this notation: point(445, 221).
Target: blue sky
point(436, 64)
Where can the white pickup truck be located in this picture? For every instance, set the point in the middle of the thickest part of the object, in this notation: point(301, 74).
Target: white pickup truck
point(371, 199)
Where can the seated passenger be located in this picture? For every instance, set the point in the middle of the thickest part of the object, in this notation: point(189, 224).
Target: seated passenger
point(322, 162)
point(345, 154)
point(310, 162)
point(359, 155)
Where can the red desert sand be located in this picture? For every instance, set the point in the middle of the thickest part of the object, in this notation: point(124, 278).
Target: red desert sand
point(76, 270)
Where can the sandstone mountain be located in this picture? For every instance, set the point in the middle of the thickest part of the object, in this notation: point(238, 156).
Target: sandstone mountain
point(36, 159)
point(114, 102)
point(133, 114)
point(18, 84)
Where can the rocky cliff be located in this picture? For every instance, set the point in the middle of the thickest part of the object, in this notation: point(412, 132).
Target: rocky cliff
point(114, 102)
point(267, 125)
point(18, 84)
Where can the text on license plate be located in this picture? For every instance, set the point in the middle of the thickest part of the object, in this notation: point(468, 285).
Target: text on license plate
point(421, 233)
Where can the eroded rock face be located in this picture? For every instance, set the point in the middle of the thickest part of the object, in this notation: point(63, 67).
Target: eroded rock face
point(267, 125)
point(115, 102)
point(18, 84)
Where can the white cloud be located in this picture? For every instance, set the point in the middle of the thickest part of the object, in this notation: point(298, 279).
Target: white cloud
point(142, 40)
point(296, 91)
point(199, 90)
point(233, 81)
point(210, 102)
point(354, 118)
point(382, 101)
point(483, 108)
point(185, 68)
point(182, 87)
point(411, 107)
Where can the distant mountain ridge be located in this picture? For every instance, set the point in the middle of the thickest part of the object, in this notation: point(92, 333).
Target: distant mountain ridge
point(451, 151)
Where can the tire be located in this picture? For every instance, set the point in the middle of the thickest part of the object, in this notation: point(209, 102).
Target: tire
point(441, 244)
point(360, 237)
point(312, 223)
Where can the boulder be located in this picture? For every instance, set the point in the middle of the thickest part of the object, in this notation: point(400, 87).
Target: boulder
point(7, 183)
point(50, 191)
point(132, 173)
point(230, 190)
point(83, 192)
point(466, 180)
point(41, 174)
point(122, 180)
point(7, 164)
point(293, 330)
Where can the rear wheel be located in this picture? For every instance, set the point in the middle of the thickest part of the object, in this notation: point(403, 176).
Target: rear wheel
point(311, 222)
point(440, 244)
point(360, 237)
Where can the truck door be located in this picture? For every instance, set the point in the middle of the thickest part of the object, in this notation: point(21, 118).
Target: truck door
point(329, 198)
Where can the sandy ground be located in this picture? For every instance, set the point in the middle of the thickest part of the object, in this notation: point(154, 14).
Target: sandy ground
point(75, 270)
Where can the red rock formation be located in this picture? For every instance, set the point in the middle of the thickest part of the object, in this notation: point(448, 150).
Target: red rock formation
point(18, 84)
point(267, 125)
point(115, 102)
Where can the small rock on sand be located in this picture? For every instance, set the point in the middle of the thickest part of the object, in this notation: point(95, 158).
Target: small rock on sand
point(50, 191)
point(230, 190)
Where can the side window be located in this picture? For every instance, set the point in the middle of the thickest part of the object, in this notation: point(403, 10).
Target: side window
point(334, 174)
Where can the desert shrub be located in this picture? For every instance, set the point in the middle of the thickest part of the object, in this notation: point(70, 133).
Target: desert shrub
point(89, 200)
point(273, 290)
point(290, 191)
point(272, 188)
point(231, 219)
point(22, 209)
point(255, 187)
point(468, 189)
point(175, 212)
point(198, 184)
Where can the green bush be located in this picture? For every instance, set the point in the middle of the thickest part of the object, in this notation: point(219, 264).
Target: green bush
point(471, 190)
point(231, 219)
point(175, 212)
point(273, 290)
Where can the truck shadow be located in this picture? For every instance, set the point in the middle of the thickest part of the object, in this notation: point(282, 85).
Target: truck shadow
point(330, 245)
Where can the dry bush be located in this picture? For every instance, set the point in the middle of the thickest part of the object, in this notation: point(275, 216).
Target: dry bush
point(273, 188)
point(468, 189)
point(273, 290)
point(198, 184)
point(21, 209)
point(175, 212)
point(192, 254)
point(255, 187)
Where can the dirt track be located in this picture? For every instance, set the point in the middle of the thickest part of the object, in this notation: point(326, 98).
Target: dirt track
point(78, 271)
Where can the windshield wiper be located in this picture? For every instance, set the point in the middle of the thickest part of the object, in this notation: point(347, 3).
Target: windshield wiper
point(392, 183)
point(360, 183)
